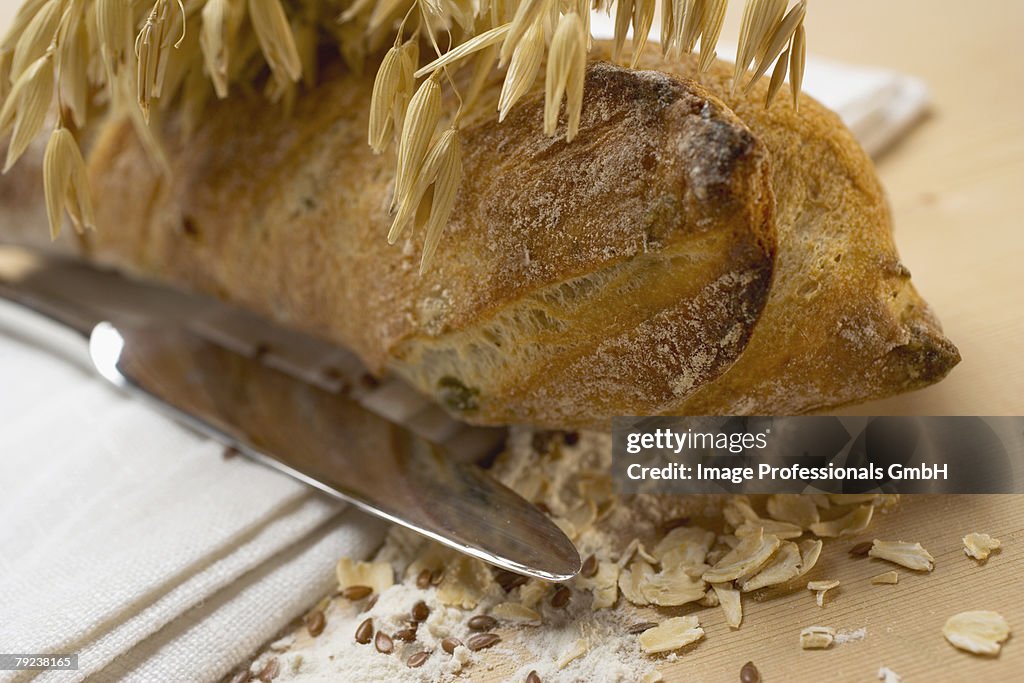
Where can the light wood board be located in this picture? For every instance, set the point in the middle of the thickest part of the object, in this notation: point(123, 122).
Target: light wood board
point(903, 622)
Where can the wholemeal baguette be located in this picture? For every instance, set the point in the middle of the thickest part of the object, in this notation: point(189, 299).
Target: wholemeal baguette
point(689, 252)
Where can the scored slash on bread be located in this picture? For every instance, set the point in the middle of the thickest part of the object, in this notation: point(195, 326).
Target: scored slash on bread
point(689, 252)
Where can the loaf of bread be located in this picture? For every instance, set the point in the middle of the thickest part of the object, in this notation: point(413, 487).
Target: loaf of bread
point(689, 253)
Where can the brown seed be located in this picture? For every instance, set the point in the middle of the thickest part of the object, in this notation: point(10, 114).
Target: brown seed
point(369, 381)
point(450, 643)
point(570, 439)
point(423, 579)
point(417, 660)
point(371, 602)
point(364, 632)
point(589, 567)
point(861, 549)
point(532, 677)
point(270, 670)
point(750, 674)
point(240, 677)
point(482, 641)
point(509, 580)
point(420, 611)
point(482, 622)
point(230, 452)
point(354, 593)
point(436, 576)
point(383, 643)
point(315, 623)
point(406, 635)
point(640, 627)
point(561, 597)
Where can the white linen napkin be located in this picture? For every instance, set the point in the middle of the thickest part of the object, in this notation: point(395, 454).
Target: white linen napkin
point(131, 541)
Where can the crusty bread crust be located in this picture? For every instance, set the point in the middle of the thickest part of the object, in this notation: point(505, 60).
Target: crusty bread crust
point(575, 281)
point(843, 322)
point(623, 273)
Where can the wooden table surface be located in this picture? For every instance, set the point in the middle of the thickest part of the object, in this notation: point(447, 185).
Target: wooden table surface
point(903, 623)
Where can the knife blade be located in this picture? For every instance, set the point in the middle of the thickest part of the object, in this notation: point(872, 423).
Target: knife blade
point(323, 437)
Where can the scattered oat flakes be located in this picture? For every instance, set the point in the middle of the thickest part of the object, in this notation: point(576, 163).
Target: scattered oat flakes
point(979, 546)
point(909, 555)
point(671, 634)
point(785, 565)
point(887, 675)
point(603, 585)
point(672, 587)
point(729, 599)
point(737, 510)
point(746, 521)
point(749, 555)
point(851, 523)
point(810, 551)
point(466, 580)
point(582, 516)
point(821, 500)
point(631, 582)
point(817, 637)
point(783, 530)
point(533, 591)
point(578, 649)
point(820, 588)
point(981, 632)
point(652, 677)
point(628, 553)
point(794, 508)
point(684, 546)
point(887, 578)
point(378, 576)
point(515, 612)
point(642, 553)
point(710, 599)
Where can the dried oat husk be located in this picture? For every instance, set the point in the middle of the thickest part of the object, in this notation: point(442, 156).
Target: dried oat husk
point(752, 553)
point(909, 555)
point(379, 576)
point(671, 634)
point(603, 585)
point(817, 637)
point(980, 632)
point(980, 546)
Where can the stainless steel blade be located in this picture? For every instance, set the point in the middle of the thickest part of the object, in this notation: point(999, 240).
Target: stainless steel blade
point(324, 438)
